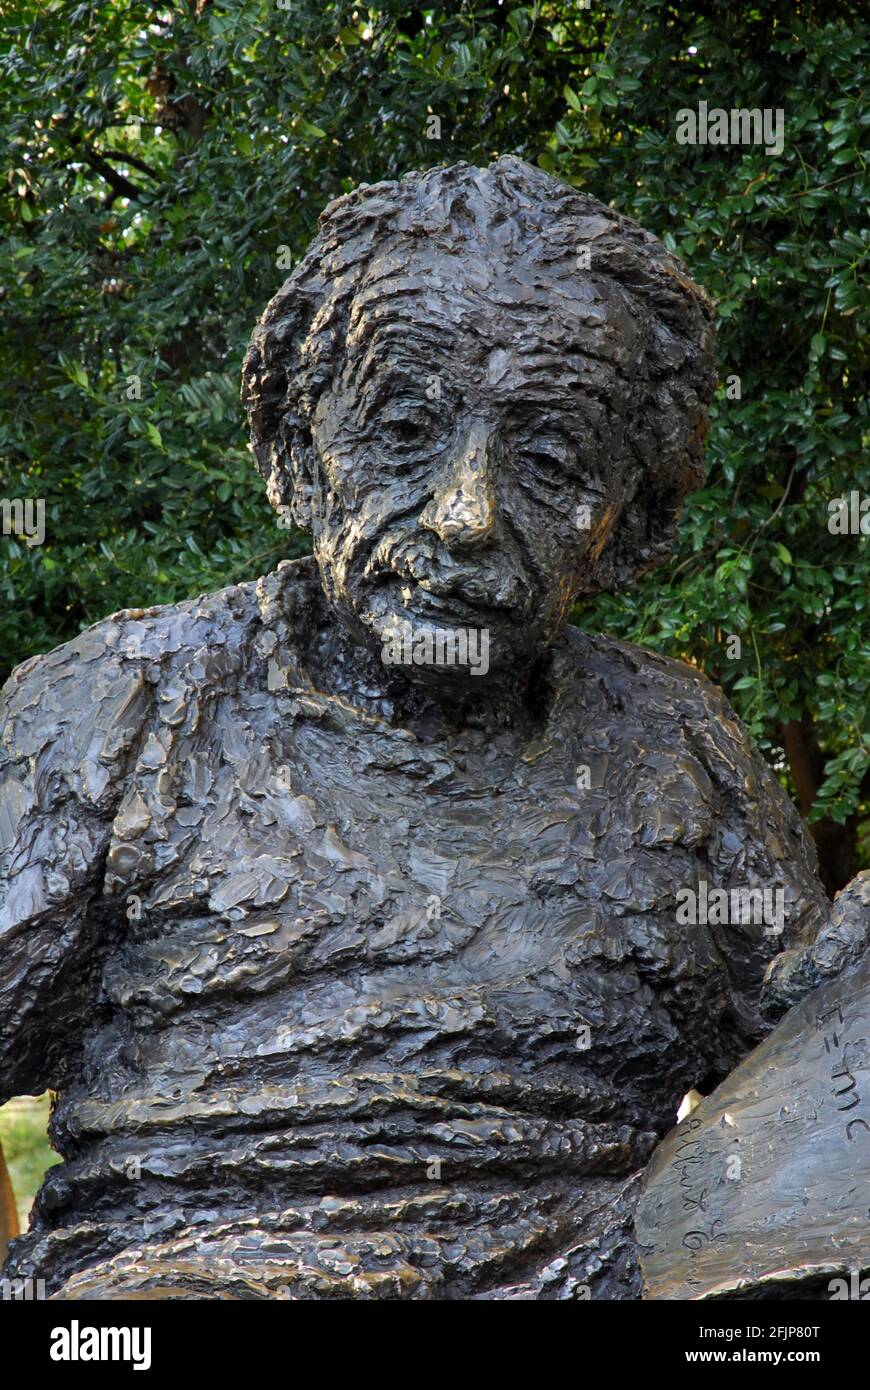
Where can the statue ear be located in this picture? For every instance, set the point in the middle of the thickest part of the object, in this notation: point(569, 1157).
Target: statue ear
point(280, 434)
point(301, 469)
point(669, 450)
point(287, 464)
point(643, 536)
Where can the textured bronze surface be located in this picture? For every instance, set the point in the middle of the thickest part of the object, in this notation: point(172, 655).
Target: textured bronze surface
point(764, 1190)
point(365, 980)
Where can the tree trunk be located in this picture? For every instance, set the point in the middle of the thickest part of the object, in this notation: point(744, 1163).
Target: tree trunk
point(835, 843)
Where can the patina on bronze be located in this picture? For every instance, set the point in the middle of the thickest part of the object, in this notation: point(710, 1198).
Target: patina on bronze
point(360, 978)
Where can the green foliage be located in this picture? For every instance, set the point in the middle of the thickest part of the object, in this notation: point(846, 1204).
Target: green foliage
point(158, 159)
point(24, 1140)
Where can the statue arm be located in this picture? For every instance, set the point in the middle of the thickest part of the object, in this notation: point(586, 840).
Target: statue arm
point(821, 939)
point(68, 723)
point(842, 942)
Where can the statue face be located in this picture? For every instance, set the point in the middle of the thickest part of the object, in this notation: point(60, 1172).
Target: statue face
point(470, 455)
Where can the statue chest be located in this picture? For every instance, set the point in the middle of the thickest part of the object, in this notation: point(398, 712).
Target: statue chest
point(251, 847)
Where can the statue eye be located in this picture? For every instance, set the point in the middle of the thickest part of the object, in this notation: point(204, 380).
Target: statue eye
point(543, 461)
point(402, 432)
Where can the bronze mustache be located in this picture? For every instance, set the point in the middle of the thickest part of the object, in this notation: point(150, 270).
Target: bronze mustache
point(487, 584)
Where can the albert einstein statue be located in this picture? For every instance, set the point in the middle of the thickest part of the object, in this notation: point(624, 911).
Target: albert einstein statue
point(339, 907)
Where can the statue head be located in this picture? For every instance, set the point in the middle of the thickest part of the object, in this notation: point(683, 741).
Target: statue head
point(485, 394)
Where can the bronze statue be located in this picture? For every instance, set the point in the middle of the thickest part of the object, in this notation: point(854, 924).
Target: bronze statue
point(340, 907)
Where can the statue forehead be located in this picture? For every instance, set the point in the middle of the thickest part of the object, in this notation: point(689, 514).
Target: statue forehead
point(515, 322)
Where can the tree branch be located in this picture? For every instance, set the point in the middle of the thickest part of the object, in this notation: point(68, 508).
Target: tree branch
point(137, 163)
point(121, 187)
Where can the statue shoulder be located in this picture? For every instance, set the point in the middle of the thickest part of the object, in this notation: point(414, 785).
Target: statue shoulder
point(73, 713)
point(68, 718)
point(663, 692)
point(658, 704)
point(646, 677)
point(72, 724)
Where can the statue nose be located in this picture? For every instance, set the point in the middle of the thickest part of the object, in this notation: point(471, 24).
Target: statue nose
point(463, 510)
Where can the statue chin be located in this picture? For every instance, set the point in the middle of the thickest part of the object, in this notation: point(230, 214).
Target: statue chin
point(444, 647)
